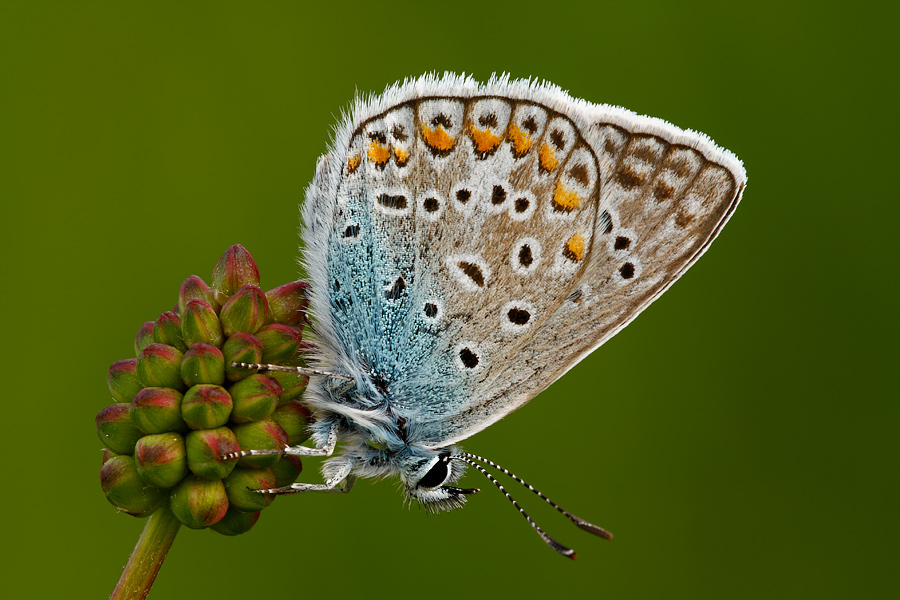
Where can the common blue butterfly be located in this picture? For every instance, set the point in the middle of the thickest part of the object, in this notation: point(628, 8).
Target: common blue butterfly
point(467, 244)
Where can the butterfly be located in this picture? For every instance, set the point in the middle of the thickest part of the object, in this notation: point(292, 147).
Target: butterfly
point(467, 244)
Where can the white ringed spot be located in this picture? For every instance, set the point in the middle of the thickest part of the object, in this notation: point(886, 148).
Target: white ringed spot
point(525, 256)
point(517, 316)
point(469, 270)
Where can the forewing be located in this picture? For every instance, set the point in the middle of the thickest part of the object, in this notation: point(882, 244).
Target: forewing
point(468, 244)
point(664, 196)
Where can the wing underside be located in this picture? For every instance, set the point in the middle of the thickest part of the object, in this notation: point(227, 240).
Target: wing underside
point(479, 243)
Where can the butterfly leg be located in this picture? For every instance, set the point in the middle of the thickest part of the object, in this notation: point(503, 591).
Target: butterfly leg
point(326, 450)
point(341, 482)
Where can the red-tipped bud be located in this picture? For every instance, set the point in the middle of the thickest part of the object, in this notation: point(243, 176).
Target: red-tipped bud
point(240, 485)
point(194, 288)
point(199, 503)
point(206, 406)
point(288, 303)
point(260, 435)
point(280, 343)
point(241, 348)
point(245, 312)
point(157, 409)
point(205, 449)
point(255, 398)
point(125, 489)
point(287, 470)
point(167, 330)
point(203, 363)
point(161, 459)
point(159, 365)
point(176, 419)
point(116, 429)
point(294, 418)
point(292, 384)
point(108, 454)
point(236, 522)
point(234, 270)
point(143, 338)
point(199, 323)
point(123, 380)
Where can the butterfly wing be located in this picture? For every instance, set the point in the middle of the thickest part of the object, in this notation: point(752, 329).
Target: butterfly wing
point(468, 244)
point(665, 195)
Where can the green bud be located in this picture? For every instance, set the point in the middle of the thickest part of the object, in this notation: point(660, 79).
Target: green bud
point(116, 429)
point(206, 406)
point(246, 311)
point(157, 409)
point(199, 323)
point(236, 522)
point(255, 398)
point(161, 459)
point(203, 363)
point(240, 485)
point(260, 435)
point(198, 502)
point(205, 449)
point(123, 380)
point(241, 348)
point(280, 342)
point(159, 365)
point(143, 338)
point(292, 384)
point(294, 418)
point(234, 270)
point(175, 417)
point(287, 470)
point(288, 303)
point(108, 454)
point(194, 288)
point(125, 489)
point(167, 330)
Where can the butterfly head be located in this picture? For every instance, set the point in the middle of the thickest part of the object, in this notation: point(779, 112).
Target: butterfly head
point(427, 480)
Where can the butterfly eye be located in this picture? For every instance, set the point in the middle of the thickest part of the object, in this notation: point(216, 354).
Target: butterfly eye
point(436, 475)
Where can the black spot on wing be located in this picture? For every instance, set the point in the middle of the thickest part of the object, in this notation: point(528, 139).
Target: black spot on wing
point(469, 358)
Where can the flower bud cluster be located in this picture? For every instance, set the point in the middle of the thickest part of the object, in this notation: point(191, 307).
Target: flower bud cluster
point(180, 406)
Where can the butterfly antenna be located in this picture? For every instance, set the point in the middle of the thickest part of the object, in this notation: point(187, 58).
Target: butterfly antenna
point(565, 551)
point(301, 370)
point(581, 523)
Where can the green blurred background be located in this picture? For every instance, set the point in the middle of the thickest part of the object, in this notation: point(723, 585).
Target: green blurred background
point(739, 438)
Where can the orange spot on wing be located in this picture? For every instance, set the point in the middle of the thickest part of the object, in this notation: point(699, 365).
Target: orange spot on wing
point(565, 199)
point(402, 156)
point(437, 138)
point(378, 153)
point(521, 141)
point(574, 249)
point(485, 140)
point(548, 157)
point(353, 162)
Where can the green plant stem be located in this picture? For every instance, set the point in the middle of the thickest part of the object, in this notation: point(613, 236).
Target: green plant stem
point(148, 556)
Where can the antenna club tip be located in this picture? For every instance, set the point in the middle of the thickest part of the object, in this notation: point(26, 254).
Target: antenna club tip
point(573, 556)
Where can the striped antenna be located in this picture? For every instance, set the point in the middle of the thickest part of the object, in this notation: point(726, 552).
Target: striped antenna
point(470, 459)
point(581, 523)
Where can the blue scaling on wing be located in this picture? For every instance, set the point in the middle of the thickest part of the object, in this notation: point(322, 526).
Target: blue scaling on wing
point(379, 291)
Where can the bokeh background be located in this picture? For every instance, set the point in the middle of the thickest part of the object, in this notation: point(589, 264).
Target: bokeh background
point(740, 438)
